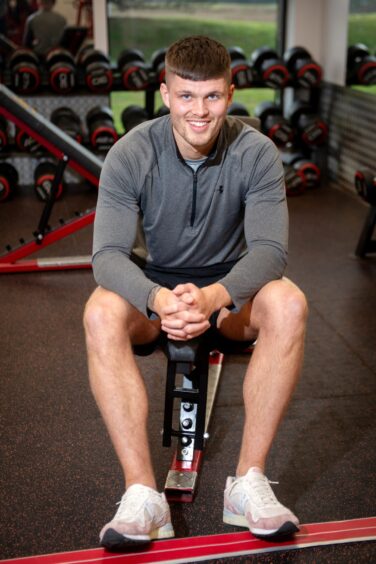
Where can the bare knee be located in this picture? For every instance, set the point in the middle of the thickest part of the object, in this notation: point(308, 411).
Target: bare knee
point(111, 320)
point(105, 313)
point(282, 306)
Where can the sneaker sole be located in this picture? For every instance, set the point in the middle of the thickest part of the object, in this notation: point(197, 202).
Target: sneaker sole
point(112, 540)
point(286, 530)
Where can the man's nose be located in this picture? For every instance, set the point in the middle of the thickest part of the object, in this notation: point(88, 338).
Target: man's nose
point(200, 107)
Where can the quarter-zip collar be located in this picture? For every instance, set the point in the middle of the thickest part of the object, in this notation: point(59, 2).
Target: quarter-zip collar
point(215, 158)
point(217, 153)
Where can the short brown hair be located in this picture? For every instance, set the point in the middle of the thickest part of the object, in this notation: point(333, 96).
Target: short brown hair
point(198, 57)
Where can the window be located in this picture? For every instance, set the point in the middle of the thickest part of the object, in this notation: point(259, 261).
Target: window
point(151, 25)
point(361, 30)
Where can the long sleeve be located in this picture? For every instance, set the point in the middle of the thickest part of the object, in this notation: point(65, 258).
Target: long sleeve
point(265, 229)
point(115, 230)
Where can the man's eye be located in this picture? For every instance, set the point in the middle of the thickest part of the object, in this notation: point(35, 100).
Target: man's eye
point(186, 96)
point(213, 97)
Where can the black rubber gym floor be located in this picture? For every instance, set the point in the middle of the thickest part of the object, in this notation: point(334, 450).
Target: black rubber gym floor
point(60, 479)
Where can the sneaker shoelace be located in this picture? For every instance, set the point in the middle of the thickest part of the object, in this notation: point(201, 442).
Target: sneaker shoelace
point(130, 504)
point(262, 490)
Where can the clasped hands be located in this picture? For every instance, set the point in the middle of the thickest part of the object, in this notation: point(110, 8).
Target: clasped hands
point(184, 311)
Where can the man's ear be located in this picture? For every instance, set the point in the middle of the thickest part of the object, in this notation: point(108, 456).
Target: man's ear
point(164, 93)
point(231, 93)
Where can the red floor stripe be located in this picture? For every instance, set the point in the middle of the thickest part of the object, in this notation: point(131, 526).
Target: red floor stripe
point(219, 546)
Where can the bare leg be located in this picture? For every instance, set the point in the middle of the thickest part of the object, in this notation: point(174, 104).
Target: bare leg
point(111, 325)
point(277, 316)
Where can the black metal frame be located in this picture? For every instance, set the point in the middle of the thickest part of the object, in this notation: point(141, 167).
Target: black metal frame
point(365, 243)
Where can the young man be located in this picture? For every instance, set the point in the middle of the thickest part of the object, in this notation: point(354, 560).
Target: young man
point(44, 29)
point(209, 193)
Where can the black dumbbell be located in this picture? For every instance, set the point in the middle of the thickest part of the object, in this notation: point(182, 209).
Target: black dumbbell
point(68, 121)
point(241, 70)
point(365, 184)
point(132, 116)
point(135, 73)
point(62, 70)
point(361, 65)
point(162, 111)
point(25, 142)
point(4, 137)
point(96, 69)
point(102, 132)
point(270, 68)
point(303, 69)
point(303, 165)
point(295, 182)
point(44, 175)
point(25, 75)
point(157, 62)
point(311, 129)
point(8, 181)
point(273, 124)
point(237, 109)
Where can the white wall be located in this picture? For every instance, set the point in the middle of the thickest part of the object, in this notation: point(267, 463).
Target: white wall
point(100, 25)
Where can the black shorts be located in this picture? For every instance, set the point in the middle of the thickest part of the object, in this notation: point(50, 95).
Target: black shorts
point(200, 276)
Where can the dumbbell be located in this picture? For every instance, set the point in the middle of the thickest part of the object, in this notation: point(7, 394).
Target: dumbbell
point(97, 70)
point(303, 69)
point(361, 65)
point(135, 73)
point(132, 116)
point(157, 62)
point(273, 124)
point(102, 132)
point(295, 181)
point(270, 67)
point(25, 142)
point(162, 111)
point(44, 175)
point(237, 109)
point(311, 129)
point(303, 165)
point(4, 138)
point(8, 180)
point(62, 70)
point(25, 74)
point(365, 184)
point(68, 121)
point(241, 70)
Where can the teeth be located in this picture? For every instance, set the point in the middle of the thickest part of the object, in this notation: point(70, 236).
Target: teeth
point(199, 123)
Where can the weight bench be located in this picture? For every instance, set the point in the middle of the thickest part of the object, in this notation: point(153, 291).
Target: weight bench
point(193, 373)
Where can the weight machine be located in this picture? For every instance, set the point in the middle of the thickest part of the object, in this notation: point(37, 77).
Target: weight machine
point(68, 153)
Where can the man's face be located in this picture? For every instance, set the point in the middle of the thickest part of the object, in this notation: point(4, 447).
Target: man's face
point(198, 110)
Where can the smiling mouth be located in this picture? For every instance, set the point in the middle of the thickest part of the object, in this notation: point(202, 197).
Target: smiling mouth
point(198, 123)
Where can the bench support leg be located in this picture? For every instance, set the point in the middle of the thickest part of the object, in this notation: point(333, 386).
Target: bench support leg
point(197, 393)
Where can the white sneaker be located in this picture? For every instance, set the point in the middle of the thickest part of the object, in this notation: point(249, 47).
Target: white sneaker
point(249, 501)
point(143, 515)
